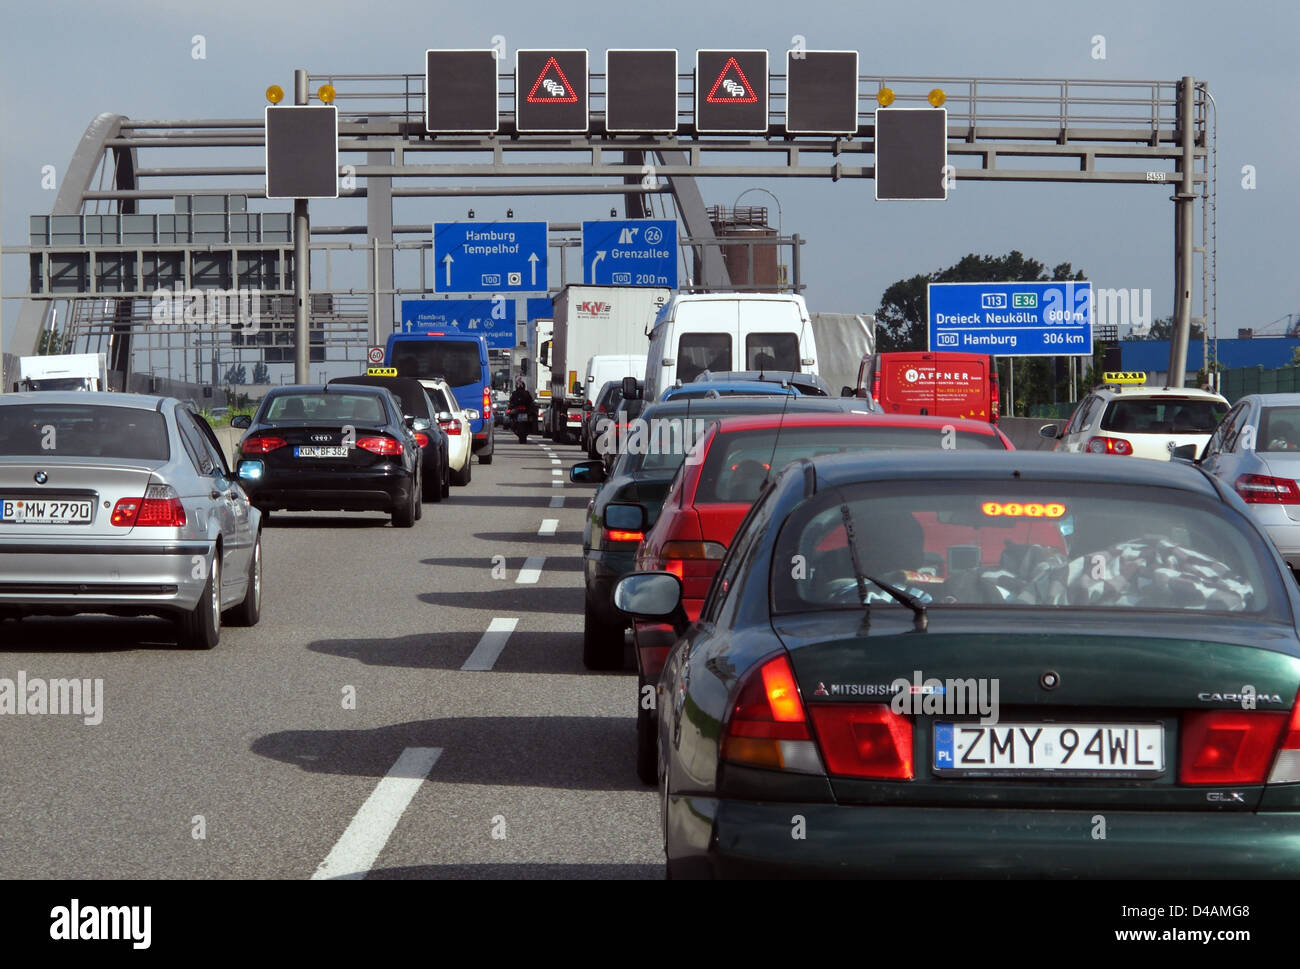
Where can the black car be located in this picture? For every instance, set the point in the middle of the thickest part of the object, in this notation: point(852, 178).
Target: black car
point(430, 435)
point(642, 475)
point(331, 448)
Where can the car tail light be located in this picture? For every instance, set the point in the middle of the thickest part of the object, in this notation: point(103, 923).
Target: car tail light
point(694, 560)
point(995, 392)
point(1260, 489)
point(1286, 766)
point(864, 740)
point(262, 444)
point(767, 726)
point(422, 439)
point(380, 445)
point(487, 402)
point(451, 427)
point(619, 535)
point(576, 417)
point(1229, 746)
point(160, 507)
point(1109, 445)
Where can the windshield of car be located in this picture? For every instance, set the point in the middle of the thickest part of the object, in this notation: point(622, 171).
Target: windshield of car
point(1279, 429)
point(456, 361)
point(1033, 545)
point(738, 462)
point(83, 431)
point(1163, 415)
point(325, 407)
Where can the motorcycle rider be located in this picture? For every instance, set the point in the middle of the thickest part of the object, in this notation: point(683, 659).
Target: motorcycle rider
point(522, 398)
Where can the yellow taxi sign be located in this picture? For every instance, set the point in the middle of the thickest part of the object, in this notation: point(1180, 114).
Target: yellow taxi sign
point(1125, 377)
point(381, 371)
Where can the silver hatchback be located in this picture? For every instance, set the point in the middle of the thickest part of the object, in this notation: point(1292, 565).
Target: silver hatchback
point(1255, 451)
point(123, 504)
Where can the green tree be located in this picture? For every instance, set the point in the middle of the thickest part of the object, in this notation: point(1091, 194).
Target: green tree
point(237, 375)
point(1163, 329)
point(51, 342)
point(261, 373)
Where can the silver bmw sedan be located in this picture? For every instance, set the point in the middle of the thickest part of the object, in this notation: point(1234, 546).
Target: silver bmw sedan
point(123, 504)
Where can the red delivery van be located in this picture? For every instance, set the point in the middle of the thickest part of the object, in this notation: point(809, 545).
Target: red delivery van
point(939, 384)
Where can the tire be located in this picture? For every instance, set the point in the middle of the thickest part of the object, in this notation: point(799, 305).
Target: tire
point(523, 437)
point(461, 478)
point(602, 642)
point(418, 494)
point(200, 628)
point(485, 459)
point(248, 612)
point(647, 739)
point(433, 492)
point(405, 517)
point(446, 480)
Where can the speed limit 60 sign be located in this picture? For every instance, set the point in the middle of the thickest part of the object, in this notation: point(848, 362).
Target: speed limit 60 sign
point(375, 355)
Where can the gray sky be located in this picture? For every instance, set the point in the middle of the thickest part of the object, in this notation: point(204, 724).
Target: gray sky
point(65, 62)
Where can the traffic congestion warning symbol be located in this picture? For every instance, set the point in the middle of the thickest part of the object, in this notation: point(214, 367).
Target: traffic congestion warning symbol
point(732, 87)
point(552, 87)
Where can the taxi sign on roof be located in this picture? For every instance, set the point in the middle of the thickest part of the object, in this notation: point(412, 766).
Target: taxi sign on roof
point(381, 371)
point(1124, 377)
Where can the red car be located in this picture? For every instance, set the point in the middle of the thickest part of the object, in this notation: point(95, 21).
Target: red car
point(720, 481)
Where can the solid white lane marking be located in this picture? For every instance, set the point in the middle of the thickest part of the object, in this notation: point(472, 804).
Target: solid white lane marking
point(532, 570)
point(557, 501)
point(355, 852)
point(489, 647)
point(548, 526)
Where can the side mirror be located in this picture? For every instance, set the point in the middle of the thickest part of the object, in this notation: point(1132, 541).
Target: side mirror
point(625, 516)
point(848, 392)
point(630, 390)
point(648, 595)
point(409, 419)
point(444, 416)
point(1050, 431)
point(587, 472)
point(1186, 452)
point(241, 421)
point(250, 470)
point(577, 389)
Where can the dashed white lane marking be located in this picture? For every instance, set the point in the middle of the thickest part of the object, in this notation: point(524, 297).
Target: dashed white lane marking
point(555, 460)
point(557, 501)
point(555, 471)
point(556, 483)
point(532, 570)
point(490, 646)
point(548, 526)
point(355, 852)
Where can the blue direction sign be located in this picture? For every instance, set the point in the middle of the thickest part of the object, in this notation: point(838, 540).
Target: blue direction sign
point(539, 308)
point(1012, 319)
point(489, 257)
point(633, 252)
point(493, 319)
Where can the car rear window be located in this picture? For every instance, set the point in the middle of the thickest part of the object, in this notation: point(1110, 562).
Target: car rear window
point(325, 408)
point(1034, 545)
point(455, 361)
point(771, 351)
point(1279, 429)
point(739, 462)
point(83, 431)
point(698, 352)
point(1163, 415)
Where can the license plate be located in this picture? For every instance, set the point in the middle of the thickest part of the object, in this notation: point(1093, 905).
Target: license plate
point(320, 452)
point(1028, 748)
point(43, 511)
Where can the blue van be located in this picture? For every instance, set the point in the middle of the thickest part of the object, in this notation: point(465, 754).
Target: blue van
point(461, 359)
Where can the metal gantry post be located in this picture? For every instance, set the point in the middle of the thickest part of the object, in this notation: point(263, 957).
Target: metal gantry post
point(301, 265)
point(1184, 217)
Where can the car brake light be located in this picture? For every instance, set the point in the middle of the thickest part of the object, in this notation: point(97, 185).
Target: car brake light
point(1286, 766)
point(380, 445)
point(767, 726)
point(262, 444)
point(1228, 746)
point(864, 740)
point(487, 402)
point(696, 560)
point(620, 535)
point(160, 507)
point(1260, 489)
point(1109, 445)
point(422, 439)
point(451, 427)
point(576, 417)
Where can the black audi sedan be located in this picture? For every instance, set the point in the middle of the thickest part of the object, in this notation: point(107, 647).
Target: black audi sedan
point(340, 447)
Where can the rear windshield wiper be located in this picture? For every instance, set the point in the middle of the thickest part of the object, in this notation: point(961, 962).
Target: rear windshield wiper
point(919, 611)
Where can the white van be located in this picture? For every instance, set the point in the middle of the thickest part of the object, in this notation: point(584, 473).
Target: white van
point(611, 366)
point(728, 331)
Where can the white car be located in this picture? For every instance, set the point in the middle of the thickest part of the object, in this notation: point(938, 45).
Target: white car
point(460, 436)
point(1125, 417)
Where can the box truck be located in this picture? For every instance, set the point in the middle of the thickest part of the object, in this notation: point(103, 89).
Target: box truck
point(63, 371)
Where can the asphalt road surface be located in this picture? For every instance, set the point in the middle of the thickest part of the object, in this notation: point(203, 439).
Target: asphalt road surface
point(477, 745)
